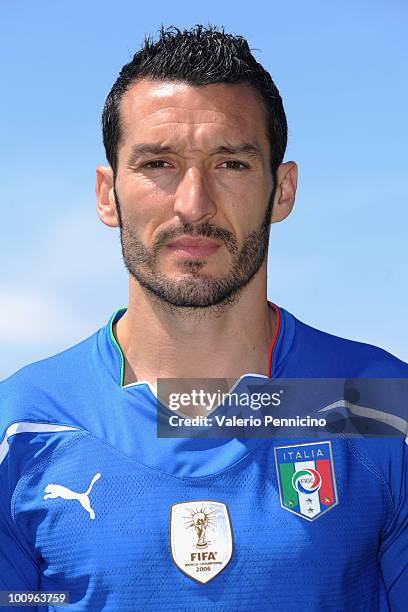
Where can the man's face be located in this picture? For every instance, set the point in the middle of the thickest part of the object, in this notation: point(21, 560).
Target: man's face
point(193, 188)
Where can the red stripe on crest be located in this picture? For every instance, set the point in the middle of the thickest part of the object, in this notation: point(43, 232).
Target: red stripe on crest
point(326, 494)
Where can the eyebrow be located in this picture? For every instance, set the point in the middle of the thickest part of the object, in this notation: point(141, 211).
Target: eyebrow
point(146, 148)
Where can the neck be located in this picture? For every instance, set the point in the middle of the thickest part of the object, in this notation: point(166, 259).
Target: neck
point(216, 342)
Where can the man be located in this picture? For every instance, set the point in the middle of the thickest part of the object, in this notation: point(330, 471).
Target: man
point(93, 502)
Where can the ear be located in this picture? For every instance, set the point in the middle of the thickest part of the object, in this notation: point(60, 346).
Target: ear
point(105, 198)
point(284, 199)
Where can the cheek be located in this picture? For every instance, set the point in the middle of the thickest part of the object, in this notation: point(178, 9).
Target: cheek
point(243, 215)
point(145, 207)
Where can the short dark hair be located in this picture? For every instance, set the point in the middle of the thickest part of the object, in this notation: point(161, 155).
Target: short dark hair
point(199, 56)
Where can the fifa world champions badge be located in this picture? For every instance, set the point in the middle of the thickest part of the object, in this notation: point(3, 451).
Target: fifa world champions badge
point(200, 538)
point(306, 478)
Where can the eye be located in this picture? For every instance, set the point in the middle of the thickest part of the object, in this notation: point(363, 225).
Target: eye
point(157, 163)
point(235, 164)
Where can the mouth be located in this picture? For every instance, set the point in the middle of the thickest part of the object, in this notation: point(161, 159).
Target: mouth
point(193, 247)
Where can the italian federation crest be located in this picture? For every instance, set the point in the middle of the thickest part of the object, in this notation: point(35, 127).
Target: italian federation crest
point(306, 477)
point(200, 538)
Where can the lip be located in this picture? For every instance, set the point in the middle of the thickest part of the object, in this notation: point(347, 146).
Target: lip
point(193, 247)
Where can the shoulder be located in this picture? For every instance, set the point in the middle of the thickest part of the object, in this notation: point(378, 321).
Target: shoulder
point(29, 392)
point(38, 413)
point(316, 354)
point(320, 354)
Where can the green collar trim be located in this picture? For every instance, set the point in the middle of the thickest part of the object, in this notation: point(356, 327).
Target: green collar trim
point(116, 345)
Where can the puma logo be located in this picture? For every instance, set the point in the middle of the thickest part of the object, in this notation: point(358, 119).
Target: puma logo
point(54, 490)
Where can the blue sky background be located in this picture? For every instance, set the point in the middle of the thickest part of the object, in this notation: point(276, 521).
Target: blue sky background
point(338, 263)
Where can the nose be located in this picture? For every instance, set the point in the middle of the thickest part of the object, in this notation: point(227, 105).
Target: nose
point(193, 202)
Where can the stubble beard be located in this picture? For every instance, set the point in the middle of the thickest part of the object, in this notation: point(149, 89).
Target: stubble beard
point(194, 288)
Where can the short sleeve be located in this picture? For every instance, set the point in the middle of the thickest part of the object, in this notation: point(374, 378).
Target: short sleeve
point(394, 545)
point(18, 568)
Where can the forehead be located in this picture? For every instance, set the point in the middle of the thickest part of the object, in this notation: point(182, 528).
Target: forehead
point(197, 114)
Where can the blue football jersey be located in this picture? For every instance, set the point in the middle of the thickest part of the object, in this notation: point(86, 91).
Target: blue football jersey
point(94, 503)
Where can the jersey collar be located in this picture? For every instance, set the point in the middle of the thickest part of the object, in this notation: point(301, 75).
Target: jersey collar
point(109, 347)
